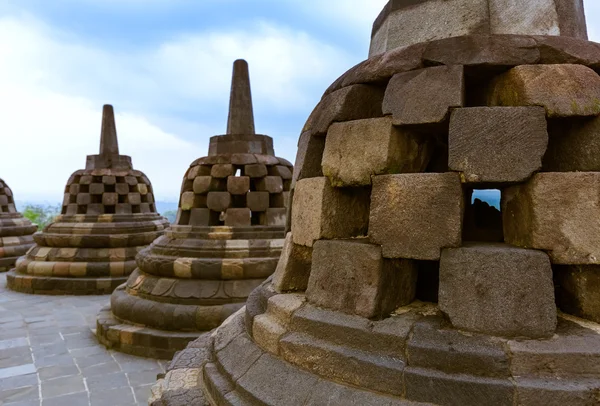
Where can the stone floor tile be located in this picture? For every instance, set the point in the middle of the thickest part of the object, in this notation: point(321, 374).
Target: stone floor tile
point(74, 399)
point(109, 381)
point(17, 370)
point(114, 397)
point(62, 386)
point(20, 394)
point(59, 371)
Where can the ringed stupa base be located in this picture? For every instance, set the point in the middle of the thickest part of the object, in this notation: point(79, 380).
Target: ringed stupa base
point(297, 354)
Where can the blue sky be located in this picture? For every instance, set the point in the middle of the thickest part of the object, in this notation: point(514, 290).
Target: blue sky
point(166, 67)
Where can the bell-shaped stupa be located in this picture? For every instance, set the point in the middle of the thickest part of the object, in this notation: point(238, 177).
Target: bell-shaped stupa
point(108, 215)
point(225, 242)
point(15, 230)
point(395, 286)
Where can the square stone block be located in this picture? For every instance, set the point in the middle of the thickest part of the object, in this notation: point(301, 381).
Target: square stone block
point(293, 268)
point(122, 188)
point(574, 146)
point(407, 22)
point(283, 172)
point(271, 184)
point(323, 212)
point(558, 213)
point(309, 156)
point(563, 90)
point(424, 96)
point(96, 188)
point(204, 184)
point(218, 201)
point(497, 144)
point(109, 180)
point(279, 199)
point(134, 198)
point(256, 170)
point(356, 150)
point(257, 201)
point(238, 185)
point(131, 180)
point(238, 217)
point(95, 209)
point(578, 290)
point(199, 217)
point(499, 290)
point(222, 171)
point(351, 276)
point(414, 216)
point(84, 198)
point(123, 208)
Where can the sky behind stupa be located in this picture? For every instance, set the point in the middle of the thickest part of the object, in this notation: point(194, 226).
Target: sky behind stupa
point(165, 65)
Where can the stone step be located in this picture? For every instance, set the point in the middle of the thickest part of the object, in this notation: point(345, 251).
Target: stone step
point(42, 285)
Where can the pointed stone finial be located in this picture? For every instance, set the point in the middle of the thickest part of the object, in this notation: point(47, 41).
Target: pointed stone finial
point(109, 145)
point(109, 157)
point(241, 116)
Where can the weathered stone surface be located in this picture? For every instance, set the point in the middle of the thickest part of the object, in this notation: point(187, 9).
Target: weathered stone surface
point(256, 170)
point(350, 103)
point(351, 276)
point(218, 201)
point(499, 290)
point(257, 201)
point(275, 216)
point(430, 218)
point(238, 185)
point(271, 184)
point(424, 96)
point(309, 156)
point(356, 150)
point(567, 50)
point(574, 146)
point(497, 144)
point(239, 217)
point(563, 90)
point(293, 269)
point(321, 211)
point(558, 213)
point(578, 290)
point(222, 171)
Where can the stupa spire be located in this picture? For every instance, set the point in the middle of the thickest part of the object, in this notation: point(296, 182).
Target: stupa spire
point(241, 116)
point(109, 145)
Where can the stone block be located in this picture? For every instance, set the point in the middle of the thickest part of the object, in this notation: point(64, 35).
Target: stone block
point(131, 180)
point(275, 217)
point(499, 290)
point(199, 217)
point(424, 96)
point(568, 50)
point(271, 184)
point(414, 216)
point(238, 217)
point(96, 188)
point(84, 198)
point(256, 170)
point(257, 201)
point(403, 23)
point(564, 90)
point(350, 103)
point(558, 213)
point(351, 276)
point(279, 199)
point(204, 184)
point(283, 172)
point(134, 198)
point(218, 201)
point(356, 150)
point(123, 208)
point(323, 212)
point(308, 156)
point(109, 180)
point(293, 268)
point(191, 200)
point(578, 290)
point(574, 146)
point(238, 185)
point(222, 171)
point(497, 144)
point(95, 209)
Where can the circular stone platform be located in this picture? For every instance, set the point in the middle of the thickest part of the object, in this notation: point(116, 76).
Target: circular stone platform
point(225, 242)
point(377, 228)
point(108, 216)
point(15, 230)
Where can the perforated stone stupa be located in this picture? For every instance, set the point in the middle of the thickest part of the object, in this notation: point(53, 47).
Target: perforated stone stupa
point(108, 215)
point(226, 241)
point(394, 287)
point(15, 230)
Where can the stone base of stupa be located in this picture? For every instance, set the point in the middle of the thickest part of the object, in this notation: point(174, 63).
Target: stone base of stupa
point(280, 350)
point(188, 282)
point(15, 239)
point(84, 255)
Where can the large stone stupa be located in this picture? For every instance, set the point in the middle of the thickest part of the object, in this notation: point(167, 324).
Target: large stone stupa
point(226, 241)
point(108, 215)
point(15, 230)
point(394, 287)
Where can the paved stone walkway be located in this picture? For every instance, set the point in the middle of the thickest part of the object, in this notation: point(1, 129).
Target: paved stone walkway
point(49, 355)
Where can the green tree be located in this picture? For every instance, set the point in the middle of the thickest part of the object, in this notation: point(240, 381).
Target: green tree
point(171, 215)
point(41, 215)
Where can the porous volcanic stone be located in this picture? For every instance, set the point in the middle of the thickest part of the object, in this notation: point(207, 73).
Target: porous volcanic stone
point(497, 144)
point(499, 290)
point(293, 268)
point(574, 146)
point(578, 290)
point(416, 215)
point(309, 156)
point(351, 276)
point(563, 90)
point(558, 213)
point(356, 150)
point(322, 211)
point(424, 96)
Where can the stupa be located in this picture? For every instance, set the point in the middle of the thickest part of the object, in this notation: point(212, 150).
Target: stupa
point(108, 215)
point(226, 241)
point(392, 289)
point(15, 230)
